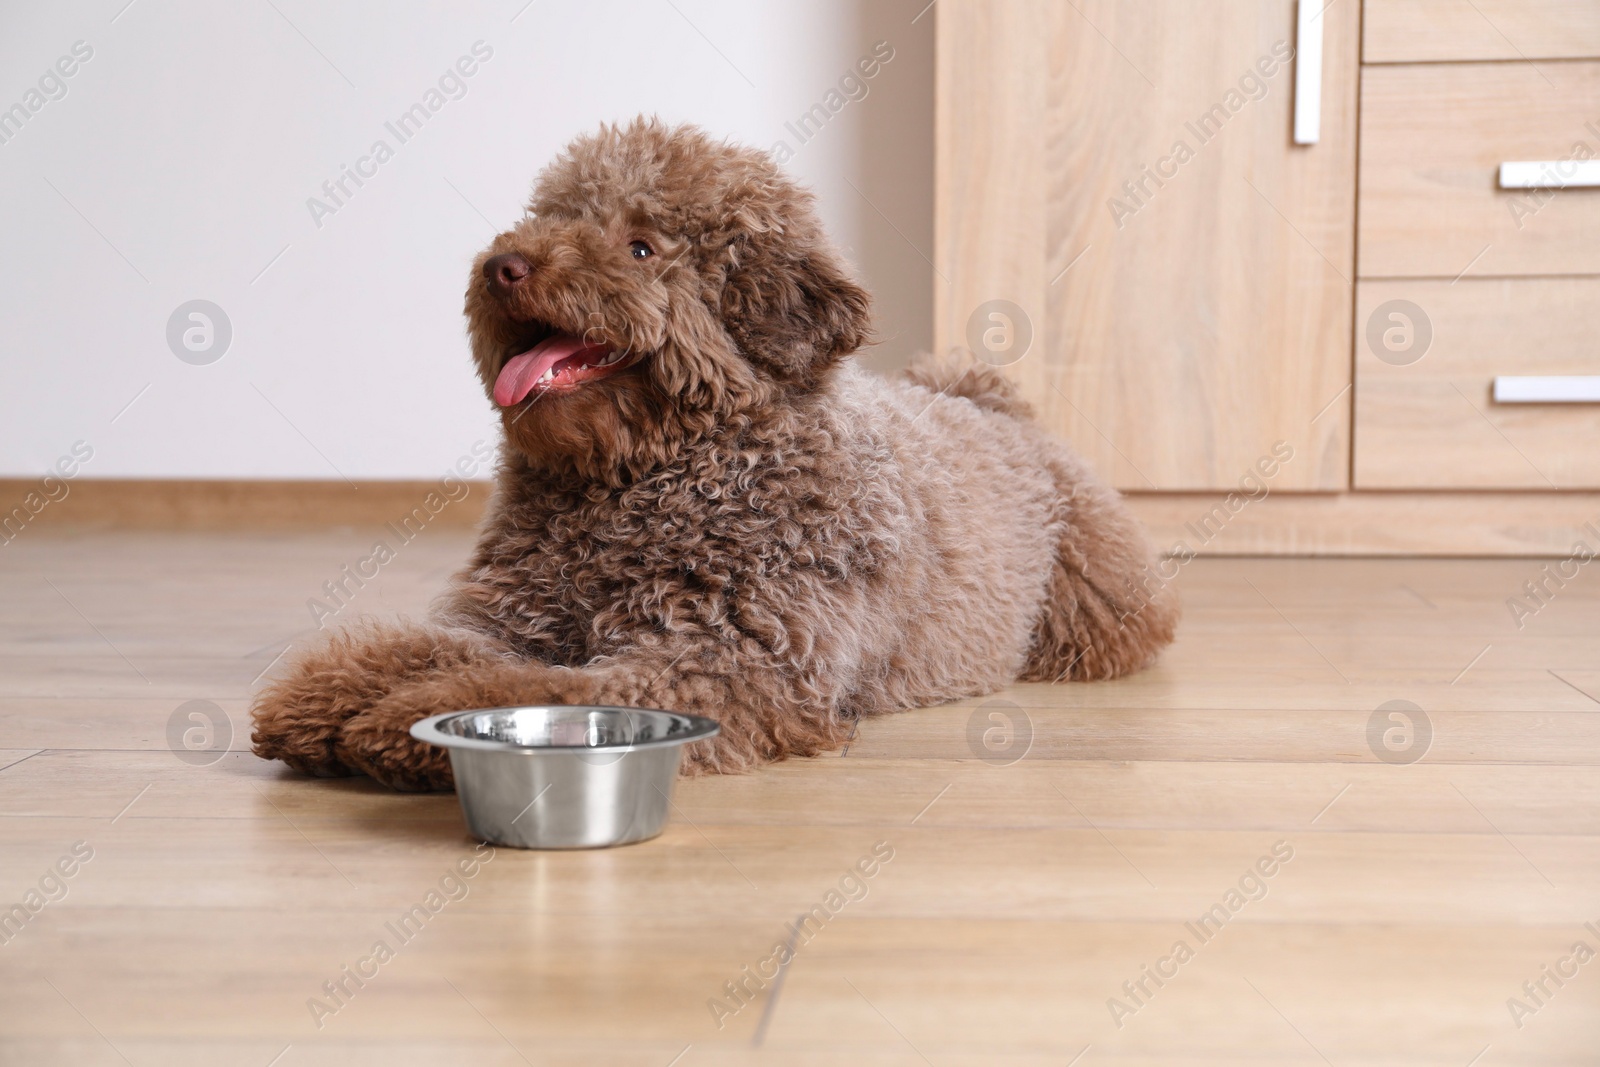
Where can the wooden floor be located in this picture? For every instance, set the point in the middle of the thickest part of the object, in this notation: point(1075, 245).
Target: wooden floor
point(1048, 845)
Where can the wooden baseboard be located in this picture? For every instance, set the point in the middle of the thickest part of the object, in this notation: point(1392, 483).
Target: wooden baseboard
point(235, 505)
point(1309, 524)
point(1372, 523)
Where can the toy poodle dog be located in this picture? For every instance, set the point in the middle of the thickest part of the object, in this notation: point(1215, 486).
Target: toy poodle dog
point(703, 504)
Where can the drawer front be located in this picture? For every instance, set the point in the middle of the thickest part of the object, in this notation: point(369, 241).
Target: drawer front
point(1433, 138)
point(1427, 356)
point(1423, 31)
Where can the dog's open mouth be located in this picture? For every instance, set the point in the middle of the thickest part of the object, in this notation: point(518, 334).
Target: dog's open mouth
point(559, 363)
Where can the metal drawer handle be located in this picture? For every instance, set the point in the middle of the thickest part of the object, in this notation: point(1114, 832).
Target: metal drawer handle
point(1554, 389)
point(1308, 72)
point(1550, 174)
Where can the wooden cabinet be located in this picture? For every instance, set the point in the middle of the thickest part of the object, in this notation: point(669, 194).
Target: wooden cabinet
point(1126, 223)
point(1120, 171)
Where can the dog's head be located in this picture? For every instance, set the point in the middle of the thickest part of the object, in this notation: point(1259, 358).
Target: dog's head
point(660, 283)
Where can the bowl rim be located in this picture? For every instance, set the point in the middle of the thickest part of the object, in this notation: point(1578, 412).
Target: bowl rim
point(428, 730)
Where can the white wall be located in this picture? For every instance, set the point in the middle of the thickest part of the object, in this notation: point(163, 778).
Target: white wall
point(179, 162)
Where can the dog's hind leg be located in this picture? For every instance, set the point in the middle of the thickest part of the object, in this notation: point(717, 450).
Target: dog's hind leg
point(1109, 608)
point(298, 717)
point(766, 713)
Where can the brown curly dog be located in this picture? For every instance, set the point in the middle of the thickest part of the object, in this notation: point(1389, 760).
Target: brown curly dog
point(703, 505)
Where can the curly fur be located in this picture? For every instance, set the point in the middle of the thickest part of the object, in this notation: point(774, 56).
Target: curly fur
point(741, 524)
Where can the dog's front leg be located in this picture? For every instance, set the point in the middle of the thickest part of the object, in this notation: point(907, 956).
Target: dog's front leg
point(767, 710)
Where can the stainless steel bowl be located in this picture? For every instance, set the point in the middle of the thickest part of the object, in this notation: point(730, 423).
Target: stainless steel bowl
point(564, 776)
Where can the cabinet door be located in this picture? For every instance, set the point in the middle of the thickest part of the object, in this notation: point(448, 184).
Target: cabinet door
point(1125, 222)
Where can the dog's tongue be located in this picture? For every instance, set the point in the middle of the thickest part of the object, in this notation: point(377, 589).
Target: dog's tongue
point(521, 372)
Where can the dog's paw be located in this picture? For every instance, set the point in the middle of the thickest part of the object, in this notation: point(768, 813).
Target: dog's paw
point(299, 716)
point(378, 742)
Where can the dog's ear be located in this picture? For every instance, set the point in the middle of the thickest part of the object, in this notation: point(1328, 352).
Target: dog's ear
point(792, 310)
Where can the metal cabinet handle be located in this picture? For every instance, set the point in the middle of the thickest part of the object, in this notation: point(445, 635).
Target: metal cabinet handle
point(1550, 174)
point(1551, 389)
point(1308, 72)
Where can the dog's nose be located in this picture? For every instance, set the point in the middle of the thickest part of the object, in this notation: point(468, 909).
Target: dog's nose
point(505, 271)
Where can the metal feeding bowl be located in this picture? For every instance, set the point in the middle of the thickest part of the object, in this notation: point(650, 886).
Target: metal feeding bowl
point(564, 776)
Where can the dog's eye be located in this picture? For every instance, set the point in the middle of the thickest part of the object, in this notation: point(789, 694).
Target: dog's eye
point(641, 250)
